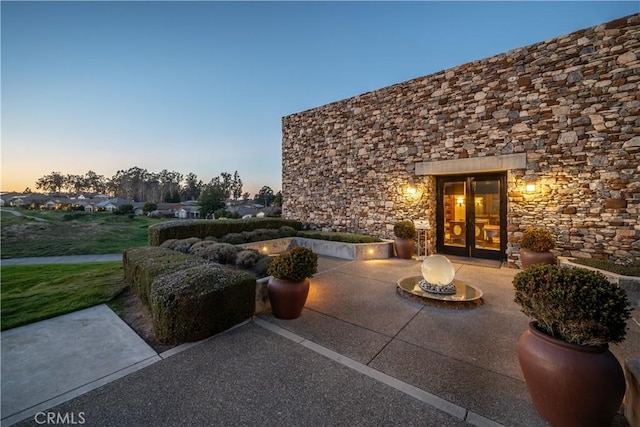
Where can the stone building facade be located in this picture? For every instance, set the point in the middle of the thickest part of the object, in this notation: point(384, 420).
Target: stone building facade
point(556, 124)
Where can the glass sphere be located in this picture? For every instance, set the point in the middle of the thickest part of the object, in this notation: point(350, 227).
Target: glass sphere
point(438, 270)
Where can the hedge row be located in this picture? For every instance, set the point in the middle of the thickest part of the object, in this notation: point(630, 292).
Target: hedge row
point(202, 228)
point(338, 237)
point(189, 298)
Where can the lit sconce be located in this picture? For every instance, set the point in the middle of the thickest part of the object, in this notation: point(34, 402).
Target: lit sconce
point(530, 188)
point(459, 201)
point(264, 249)
point(411, 191)
point(370, 251)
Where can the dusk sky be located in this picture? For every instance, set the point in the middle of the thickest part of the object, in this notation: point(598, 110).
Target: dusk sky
point(202, 86)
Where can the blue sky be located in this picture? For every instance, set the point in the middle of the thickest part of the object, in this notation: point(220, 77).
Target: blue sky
point(202, 86)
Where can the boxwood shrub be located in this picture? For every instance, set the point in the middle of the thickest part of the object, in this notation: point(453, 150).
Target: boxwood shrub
point(194, 303)
point(144, 264)
point(201, 228)
point(189, 297)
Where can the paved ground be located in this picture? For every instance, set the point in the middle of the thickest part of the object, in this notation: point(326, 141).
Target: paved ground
point(360, 354)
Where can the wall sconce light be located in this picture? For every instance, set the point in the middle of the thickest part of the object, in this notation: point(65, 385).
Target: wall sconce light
point(411, 190)
point(264, 249)
point(459, 201)
point(530, 188)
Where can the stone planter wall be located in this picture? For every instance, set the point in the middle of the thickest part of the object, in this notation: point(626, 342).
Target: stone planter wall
point(360, 251)
point(569, 104)
point(630, 284)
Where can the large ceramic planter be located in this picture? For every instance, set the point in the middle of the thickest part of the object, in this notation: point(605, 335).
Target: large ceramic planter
point(404, 248)
point(570, 385)
point(529, 257)
point(287, 298)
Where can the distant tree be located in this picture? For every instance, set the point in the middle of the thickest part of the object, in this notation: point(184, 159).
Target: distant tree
point(265, 195)
point(74, 183)
point(149, 207)
point(245, 197)
point(125, 209)
point(211, 199)
point(192, 187)
point(52, 183)
point(172, 196)
point(277, 199)
point(94, 182)
point(236, 186)
point(27, 191)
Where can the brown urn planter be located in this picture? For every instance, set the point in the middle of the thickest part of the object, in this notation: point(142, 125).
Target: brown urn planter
point(287, 298)
point(404, 248)
point(529, 257)
point(570, 384)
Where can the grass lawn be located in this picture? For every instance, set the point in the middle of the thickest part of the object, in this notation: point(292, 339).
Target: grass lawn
point(71, 233)
point(36, 292)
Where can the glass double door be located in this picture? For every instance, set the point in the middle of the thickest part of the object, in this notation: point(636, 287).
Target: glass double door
point(471, 215)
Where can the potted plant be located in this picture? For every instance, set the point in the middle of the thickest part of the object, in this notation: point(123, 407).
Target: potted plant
point(404, 245)
point(573, 378)
point(535, 247)
point(288, 286)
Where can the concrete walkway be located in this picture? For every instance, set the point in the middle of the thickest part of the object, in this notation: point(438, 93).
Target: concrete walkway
point(360, 354)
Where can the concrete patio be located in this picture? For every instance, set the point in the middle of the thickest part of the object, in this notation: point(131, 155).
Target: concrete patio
point(360, 354)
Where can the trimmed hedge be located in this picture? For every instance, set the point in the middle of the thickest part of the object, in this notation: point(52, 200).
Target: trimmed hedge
point(195, 303)
point(189, 297)
point(632, 269)
point(144, 264)
point(201, 228)
point(338, 237)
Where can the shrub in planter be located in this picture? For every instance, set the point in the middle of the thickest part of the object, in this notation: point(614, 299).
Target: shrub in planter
point(265, 234)
point(535, 247)
point(537, 239)
point(575, 305)
point(199, 248)
point(288, 287)
point(233, 238)
point(572, 376)
point(223, 253)
point(286, 231)
point(247, 258)
point(405, 232)
point(183, 245)
point(296, 264)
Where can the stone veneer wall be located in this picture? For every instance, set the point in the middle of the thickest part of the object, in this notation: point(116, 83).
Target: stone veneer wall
point(570, 104)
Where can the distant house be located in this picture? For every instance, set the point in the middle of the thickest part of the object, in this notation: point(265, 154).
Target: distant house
point(188, 210)
point(106, 206)
point(137, 208)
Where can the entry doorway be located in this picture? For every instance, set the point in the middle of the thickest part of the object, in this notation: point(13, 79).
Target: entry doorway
point(471, 215)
